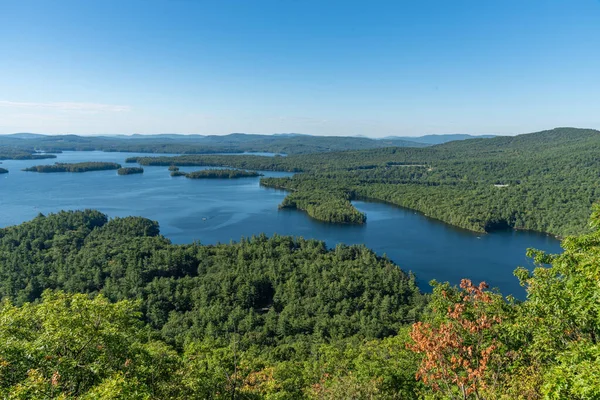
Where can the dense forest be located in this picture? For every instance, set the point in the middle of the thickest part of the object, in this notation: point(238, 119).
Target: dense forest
point(130, 171)
point(325, 206)
point(74, 167)
point(214, 173)
point(545, 181)
point(102, 309)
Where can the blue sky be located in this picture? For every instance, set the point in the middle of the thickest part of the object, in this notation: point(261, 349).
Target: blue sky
point(326, 67)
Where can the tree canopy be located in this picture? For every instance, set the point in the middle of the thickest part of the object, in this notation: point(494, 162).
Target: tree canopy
point(101, 309)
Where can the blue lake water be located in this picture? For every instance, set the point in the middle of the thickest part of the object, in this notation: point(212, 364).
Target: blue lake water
point(211, 211)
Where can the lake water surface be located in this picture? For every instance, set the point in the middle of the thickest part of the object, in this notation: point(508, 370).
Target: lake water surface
point(211, 211)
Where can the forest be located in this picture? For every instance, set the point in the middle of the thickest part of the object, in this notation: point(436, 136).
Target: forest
point(545, 181)
point(99, 308)
point(130, 171)
point(74, 167)
point(219, 174)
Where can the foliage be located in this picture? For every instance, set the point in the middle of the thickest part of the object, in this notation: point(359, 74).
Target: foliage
point(279, 318)
point(563, 301)
point(460, 349)
point(70, 345)
point(268, 290)
point(475, 345)
point(246, 318)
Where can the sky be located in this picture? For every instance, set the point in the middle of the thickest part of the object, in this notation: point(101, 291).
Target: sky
point(322, 67)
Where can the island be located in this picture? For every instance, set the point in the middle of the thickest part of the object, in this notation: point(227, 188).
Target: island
point(217, 174)
point(74, 167)
point(173, 168)
point(130, 171)
point(325, 206)
point(3, 171)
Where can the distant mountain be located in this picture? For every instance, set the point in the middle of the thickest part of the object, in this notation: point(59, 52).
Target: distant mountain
point(25, 135)
point(169, 136)
point(286, 143)
point(290, 134)
point(438, 139)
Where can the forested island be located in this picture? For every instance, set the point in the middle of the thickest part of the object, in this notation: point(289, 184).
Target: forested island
point(130, 171)
point(325, 206)
point(544, 181)
point(74, 167)
point(221, 174)
point(94, 307)
point(215, 173)
point(3, 171)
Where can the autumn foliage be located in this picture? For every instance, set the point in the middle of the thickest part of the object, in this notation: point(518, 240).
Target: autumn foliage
point(457, 351)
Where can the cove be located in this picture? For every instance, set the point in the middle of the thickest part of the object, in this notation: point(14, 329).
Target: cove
point(211, 211)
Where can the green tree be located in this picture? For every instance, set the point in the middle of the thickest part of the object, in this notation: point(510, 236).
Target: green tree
point(563, 308)
point(71, 346)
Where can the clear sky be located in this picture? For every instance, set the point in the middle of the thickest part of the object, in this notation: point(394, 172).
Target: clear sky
point(325, 67)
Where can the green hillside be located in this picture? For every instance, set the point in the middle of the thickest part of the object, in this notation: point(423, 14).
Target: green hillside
point(99, 309)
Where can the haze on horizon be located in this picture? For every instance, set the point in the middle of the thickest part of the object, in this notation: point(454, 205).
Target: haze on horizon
point(346, 68)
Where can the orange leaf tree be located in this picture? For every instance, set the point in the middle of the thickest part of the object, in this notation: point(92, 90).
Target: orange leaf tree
point(460, 344)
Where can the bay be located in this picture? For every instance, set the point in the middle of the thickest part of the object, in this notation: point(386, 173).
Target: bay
point(211, 211)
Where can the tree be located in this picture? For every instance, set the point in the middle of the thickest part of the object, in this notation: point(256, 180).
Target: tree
point(71, 345)
point(461, 343)
point(562, 313)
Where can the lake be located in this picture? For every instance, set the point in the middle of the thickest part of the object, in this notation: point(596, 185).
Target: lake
point(211, 211)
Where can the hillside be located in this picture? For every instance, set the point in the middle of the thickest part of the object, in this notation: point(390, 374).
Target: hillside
point(268, 290)
point(99, 309)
